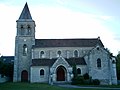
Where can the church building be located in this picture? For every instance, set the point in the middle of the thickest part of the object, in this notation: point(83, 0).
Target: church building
point(52, 60)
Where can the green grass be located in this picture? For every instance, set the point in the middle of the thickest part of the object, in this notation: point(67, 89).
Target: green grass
point(39, 86)
point(36, 86)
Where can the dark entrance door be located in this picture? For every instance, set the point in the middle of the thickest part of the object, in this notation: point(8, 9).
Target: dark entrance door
point(61, 74)
point(24, 76)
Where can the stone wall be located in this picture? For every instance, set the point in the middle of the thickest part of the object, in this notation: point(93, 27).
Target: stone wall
point(102, 73)
point(83, 68)
point(66, 52)
point(21, 61)
point(35, 74)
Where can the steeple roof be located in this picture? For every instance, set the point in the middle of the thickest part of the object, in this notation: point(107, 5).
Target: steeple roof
point(25, 13)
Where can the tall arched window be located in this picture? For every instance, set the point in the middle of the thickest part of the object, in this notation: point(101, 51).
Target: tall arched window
point(28, 30)
point(25, 50)
point(78, 71)
point(75, 53)
point(22, 30)
point(41, 72)
point(42, 54)
point(99, 63)
point(59, 53)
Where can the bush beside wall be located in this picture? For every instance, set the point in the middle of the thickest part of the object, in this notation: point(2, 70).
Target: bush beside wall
point(84, 80)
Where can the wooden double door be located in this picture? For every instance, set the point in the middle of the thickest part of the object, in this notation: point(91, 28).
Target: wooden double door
point(61, 73)
point(24, 76)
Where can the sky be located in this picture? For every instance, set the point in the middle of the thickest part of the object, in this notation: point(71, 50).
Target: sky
point(63, 19)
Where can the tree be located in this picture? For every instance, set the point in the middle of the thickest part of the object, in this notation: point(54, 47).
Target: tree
point(74, 71)
point(6, 69)
point(118, 65)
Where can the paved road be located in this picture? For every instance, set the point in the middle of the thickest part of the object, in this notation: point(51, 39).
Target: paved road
point(73, 86)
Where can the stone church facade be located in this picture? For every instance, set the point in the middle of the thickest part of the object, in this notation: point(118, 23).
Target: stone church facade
point(52, 60)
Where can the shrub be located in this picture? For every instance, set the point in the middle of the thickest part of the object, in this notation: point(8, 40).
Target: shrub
point(85, 80)
point(78, 80)
point(96, 82)
point(86, 76)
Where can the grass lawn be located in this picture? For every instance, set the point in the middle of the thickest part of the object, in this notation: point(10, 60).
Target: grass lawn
point(35, 86)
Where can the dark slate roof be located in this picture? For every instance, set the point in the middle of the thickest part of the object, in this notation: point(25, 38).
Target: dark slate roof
point(68, 42)
point(76, 61)
point(7, 59)
point(43, 62)
point(50, 62)
point(25, 13)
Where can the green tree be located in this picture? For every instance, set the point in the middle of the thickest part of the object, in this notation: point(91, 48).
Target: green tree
point(118, 65)
point(6, 69)
point(74, 71)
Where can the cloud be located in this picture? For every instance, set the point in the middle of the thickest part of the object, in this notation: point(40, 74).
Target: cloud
point(105, 17)
point(60, 2)
point(61, 21)
point(64, 23)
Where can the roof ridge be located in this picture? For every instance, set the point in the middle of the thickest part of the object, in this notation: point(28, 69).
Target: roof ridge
point(68, 39)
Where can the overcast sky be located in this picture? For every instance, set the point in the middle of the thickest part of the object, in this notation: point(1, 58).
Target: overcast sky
point(63, 19)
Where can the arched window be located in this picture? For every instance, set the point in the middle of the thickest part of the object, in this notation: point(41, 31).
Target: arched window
point(75, 53)
point(24, 50)
point(78, 71)
point(28, 30)
point(42, 54)
point(99, 63)
point(113, 62)
point(22, 30)
point(59, 53)
point(41, 72)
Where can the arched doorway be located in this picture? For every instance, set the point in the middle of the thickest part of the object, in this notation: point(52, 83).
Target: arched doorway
point(24, 76)
point(61, 73)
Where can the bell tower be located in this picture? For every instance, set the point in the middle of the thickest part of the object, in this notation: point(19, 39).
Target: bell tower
point(24, 40)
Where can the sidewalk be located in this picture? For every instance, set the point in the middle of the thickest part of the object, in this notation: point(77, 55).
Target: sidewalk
point(90, 87)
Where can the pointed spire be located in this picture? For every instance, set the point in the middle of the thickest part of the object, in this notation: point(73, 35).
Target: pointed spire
point(25, 13)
